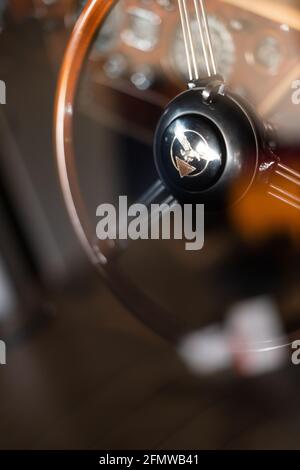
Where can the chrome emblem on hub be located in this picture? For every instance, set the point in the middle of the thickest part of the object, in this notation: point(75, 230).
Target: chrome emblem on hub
point(190, 153)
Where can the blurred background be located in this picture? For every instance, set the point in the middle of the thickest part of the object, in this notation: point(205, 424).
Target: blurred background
point(82, 372)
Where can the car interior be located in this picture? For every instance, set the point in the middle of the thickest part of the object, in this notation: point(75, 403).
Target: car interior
point(141, 343)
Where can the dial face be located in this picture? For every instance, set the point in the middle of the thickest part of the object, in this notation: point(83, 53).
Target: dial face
point(223, 46)
point(107, 37)
point(268, 53)
point(143, 29)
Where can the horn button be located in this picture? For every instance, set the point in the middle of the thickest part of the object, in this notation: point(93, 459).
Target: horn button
point(201, 146)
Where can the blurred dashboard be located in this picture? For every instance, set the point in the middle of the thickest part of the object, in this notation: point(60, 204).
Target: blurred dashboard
point(137, 63)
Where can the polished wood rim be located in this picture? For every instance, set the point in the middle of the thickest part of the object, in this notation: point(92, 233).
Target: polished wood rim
point(91, 19)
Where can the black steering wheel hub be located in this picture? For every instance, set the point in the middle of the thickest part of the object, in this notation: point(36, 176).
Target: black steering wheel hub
point(204, 142)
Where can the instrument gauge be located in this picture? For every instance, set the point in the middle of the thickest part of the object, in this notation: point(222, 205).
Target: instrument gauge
point(223, 46)
point(109, 34)
point(143, 31)
point(268, 53)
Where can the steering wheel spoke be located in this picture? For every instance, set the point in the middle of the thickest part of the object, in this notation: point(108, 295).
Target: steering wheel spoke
point(191, 38)
point(153, 204)
point(285, 185)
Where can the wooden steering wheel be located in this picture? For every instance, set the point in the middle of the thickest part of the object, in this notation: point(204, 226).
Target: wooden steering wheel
point(102, 254)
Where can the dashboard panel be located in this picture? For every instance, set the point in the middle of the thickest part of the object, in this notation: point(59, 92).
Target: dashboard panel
point(138, 64)
point(140, 51)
